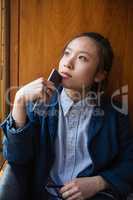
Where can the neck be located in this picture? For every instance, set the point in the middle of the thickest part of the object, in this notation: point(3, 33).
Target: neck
point(77, 95)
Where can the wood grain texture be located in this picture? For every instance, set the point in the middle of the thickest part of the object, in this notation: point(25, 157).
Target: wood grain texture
point(14, 46)
point(46, 25)
point(4, 60)
point(0, 69)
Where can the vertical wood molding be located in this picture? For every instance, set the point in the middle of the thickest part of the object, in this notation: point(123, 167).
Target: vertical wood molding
point(4, 60)
point(0, 65)
point(14, 46)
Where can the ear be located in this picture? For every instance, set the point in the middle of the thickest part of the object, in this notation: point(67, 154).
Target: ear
point(100, 76)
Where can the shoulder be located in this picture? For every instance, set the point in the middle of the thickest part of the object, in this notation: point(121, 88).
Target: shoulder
point(116, 112)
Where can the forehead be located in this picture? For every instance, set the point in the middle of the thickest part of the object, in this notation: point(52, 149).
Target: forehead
point(84, 44)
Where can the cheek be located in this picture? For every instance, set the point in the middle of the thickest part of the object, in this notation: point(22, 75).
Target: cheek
point(60, 66)
point(86, 76)
point(86, 72)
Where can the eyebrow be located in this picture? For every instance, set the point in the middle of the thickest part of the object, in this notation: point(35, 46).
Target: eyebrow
point(85, 52)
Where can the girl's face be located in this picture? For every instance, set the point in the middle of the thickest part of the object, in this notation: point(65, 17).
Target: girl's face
point(78, 65)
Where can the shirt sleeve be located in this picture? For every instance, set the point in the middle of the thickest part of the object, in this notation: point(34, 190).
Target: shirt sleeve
point(18, 143)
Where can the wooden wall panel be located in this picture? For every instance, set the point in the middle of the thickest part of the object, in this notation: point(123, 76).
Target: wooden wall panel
point(127, 67)
point(4, 64)
point(46, 25)
point(14, 46)
point(0, 70)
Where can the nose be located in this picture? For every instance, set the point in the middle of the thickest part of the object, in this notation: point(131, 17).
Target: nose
point(69, 63)
point(69, 66)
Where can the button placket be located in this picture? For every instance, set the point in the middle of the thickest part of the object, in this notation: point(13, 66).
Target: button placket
point(72, 120)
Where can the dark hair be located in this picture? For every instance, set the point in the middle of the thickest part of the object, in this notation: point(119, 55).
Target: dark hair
point(106, 52)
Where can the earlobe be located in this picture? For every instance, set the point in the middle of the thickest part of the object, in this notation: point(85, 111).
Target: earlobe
point(100, 76)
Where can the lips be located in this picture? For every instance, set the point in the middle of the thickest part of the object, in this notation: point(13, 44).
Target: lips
point(65, 75)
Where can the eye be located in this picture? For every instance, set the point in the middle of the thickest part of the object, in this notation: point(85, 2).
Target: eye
point(83, 58)
point(66, 52)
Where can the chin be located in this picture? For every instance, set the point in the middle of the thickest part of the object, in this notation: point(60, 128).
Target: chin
point(70, 85)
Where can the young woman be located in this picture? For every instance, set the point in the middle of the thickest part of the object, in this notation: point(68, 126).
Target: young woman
point(80, 147)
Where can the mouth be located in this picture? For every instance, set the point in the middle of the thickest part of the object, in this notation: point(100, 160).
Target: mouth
point(65, 75)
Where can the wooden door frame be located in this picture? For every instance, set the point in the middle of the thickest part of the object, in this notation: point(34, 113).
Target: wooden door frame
point(14, 45)
point(4, 61)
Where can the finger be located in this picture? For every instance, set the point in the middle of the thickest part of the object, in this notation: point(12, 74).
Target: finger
point(70, 192)
point(50, 82)
point(46, 94)
point(66, 187)
point(50, 86)
point(39, 80)
point(49, 92)
point(76, 196)
point(42, 83)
